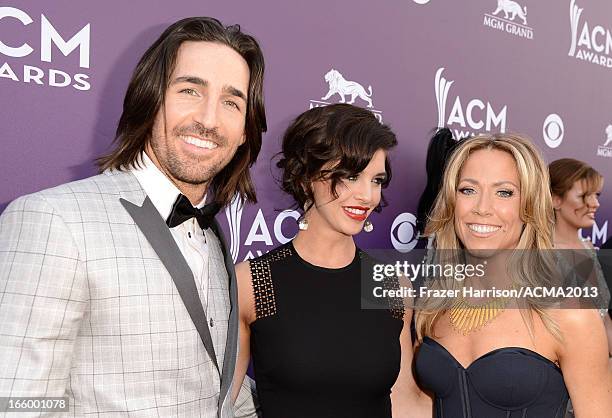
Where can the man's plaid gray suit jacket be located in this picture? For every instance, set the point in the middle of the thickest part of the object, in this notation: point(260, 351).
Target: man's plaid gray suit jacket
point(89, 308)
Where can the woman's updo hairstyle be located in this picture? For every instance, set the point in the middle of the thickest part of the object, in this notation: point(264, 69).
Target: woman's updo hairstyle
point(330, 143)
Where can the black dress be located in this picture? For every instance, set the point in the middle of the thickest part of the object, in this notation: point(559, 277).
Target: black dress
point(509, 382)
point(316, 353)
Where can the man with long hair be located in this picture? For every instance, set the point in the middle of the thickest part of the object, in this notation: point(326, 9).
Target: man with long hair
point(116, 291)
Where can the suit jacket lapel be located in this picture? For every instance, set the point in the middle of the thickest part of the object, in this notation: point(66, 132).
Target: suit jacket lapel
point(159, 236)
point(231, 345)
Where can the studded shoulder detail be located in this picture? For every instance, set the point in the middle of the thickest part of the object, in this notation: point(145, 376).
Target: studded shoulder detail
point(396, 305)
point(263, 288)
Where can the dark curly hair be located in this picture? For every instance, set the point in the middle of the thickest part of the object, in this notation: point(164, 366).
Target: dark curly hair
point(341, 134)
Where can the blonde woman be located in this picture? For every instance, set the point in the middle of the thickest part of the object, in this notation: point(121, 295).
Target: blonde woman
point(505, 358)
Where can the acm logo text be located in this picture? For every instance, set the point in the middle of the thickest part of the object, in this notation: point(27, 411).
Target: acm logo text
point(18, 71)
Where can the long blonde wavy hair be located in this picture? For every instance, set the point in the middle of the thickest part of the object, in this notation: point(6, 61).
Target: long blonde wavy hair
point(536, 212)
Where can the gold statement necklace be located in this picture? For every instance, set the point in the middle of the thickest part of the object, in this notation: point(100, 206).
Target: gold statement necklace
point(466, 317)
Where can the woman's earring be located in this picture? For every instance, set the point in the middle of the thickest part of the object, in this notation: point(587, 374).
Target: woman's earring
point(367, 226)
point(302, 223)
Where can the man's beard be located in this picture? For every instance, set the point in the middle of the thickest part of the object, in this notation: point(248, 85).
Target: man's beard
point(200, 171)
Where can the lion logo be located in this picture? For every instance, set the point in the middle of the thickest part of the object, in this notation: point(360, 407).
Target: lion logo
point(342, 87)
point(608, 135)
point(511, 8)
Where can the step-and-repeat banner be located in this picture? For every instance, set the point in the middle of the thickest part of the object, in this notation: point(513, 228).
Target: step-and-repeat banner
point(540, 67)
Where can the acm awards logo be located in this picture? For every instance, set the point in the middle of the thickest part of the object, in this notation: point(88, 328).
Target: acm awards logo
point(594, 44)
point(19, 71)
point(404, 233)
point(346, 91)
point(467, 120)
point(259, 231)
point(513, 21)
point(598, 235)
point(605, 150)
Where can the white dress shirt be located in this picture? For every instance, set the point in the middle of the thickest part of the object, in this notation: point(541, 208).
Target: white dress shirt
point(188, 236)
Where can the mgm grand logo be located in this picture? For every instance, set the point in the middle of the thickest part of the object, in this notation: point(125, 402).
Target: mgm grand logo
point(511, 18)
point(605, 150)
point(345, 91)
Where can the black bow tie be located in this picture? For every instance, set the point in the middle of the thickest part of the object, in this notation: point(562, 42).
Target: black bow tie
point(183, 211)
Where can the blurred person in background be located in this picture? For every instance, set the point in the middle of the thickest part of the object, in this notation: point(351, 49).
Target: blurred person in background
point(576, 188)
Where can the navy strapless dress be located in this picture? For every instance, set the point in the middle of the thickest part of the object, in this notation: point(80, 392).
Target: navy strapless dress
point(509, 382)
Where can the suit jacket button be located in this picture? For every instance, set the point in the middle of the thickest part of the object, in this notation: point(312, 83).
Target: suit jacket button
point(211, 322)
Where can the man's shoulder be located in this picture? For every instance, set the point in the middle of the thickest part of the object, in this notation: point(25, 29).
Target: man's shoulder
point(90, 192)
point(111, 182)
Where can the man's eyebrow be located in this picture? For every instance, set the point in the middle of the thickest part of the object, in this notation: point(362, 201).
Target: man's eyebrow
point(190, 79)
point(199, 81)
point(234, 92)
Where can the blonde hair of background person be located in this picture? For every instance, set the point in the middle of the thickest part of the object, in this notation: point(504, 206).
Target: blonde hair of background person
point(569, 337)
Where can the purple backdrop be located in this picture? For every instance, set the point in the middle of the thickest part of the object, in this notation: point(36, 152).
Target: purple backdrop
point(543, 68)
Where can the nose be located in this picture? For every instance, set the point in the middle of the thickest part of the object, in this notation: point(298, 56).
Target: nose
point(363, 191)
point(206, 113)
point(482, 205)
point(592, 201)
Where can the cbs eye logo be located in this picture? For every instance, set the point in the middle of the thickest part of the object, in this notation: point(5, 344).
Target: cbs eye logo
point(553, 130)
point(404, 233)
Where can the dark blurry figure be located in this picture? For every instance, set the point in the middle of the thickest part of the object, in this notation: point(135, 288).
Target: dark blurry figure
point(441, 146)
